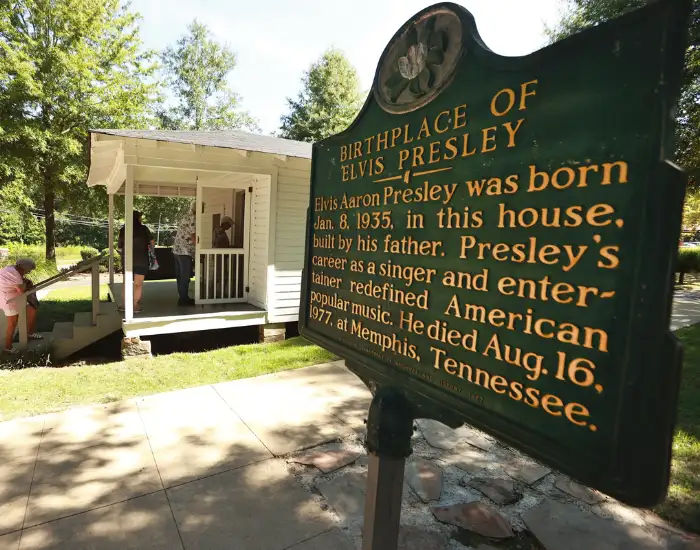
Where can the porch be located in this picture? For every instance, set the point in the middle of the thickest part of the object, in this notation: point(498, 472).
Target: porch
point(250, 195)
point(161, 313)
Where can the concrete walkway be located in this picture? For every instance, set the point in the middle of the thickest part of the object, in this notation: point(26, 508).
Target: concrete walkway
point(686, 308)
point(195, 468)
point(201, 468)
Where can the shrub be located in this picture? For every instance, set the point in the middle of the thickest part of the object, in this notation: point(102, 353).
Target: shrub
point(88, 252)
point(104, 266)
point(68, 252)
point(688, 262)
point(44, 268)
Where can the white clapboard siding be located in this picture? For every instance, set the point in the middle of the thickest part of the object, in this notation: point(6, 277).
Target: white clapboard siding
point(259, 237)
point(290, 231)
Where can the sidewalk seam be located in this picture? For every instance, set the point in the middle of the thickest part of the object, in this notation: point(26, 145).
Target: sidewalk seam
point(89, 510)
point(31, 483)
point(241, 419)
point(312, 537)
point(155, 462)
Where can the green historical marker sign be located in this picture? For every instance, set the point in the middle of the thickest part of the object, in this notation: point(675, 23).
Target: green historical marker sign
point(495, 237)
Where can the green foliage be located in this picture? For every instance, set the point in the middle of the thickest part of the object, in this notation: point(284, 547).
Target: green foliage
point(88, 252)
point(328, 102)
point(586, 13)
point(17, 222)
point(117, 262)
point(71, 252)
point(69, 233)
point(691, 210)
point(197, 68)
point(164, 210)
point(688, 260)
point(65, 66)
point(44, 268)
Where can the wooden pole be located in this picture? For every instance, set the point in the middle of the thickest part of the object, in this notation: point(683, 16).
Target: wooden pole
point(389, 430)
point(95, 271)
point(128, 258)
point(110, 238)
point(22, 323)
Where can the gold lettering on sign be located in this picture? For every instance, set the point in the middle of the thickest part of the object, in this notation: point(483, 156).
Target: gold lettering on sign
point(492, 284)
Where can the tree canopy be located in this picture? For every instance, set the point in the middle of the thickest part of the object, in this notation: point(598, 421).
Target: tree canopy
point(586, 13)
point(328, 102)
point(65, 66)
point(197, 69)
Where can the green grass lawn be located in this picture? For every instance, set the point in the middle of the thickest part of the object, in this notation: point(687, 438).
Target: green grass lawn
point(62, 304)
point(39, 390)
point(682, 505)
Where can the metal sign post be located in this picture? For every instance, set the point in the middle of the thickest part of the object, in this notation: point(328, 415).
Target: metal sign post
point(389, 430)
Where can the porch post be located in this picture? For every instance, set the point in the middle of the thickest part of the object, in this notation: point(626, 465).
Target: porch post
point(110, 238)
point(128, 259)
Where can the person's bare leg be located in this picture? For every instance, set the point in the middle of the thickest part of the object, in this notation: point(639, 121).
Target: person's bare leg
point(10, 330)
point(138, 288)
point(31, 320)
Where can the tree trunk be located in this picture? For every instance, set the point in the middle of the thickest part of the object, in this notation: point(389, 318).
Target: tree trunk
point(49, 200)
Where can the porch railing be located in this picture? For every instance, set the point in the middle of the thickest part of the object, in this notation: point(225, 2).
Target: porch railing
point(222, 275)
point(93, 264)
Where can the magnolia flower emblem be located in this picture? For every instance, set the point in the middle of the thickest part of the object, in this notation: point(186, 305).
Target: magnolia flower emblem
point(413, 63)
point(423, 54)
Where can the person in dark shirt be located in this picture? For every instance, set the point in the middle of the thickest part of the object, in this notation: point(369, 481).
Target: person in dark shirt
point(142, 238)
point(220, 238)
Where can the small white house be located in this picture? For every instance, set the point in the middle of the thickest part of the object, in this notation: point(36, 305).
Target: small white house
point(261, 182)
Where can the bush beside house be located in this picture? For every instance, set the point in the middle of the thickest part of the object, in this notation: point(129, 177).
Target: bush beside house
point(688, 262)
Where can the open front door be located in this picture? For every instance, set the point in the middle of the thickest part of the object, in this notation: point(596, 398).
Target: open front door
point(221, 251)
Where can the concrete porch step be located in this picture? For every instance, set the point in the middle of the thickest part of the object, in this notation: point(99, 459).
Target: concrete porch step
point(72, 337)
point(62, 330)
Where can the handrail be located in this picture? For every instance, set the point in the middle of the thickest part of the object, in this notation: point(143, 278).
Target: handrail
point(77, 268)
point(90, 263)
point(222, 250)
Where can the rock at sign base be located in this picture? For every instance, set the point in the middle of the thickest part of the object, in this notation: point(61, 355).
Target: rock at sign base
point(437, 434)
point(472, 460)
point(476, 438)
point(477, 517)
point(561, 525)
point(501, 491)
point(425, 478)
point(413, 538)
point(589, 496)
point(328, 460)
point(525, 471)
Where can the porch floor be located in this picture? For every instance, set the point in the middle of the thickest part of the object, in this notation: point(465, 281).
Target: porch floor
point(161, 315)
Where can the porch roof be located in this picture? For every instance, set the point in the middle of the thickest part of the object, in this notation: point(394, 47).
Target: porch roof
point(229, 139)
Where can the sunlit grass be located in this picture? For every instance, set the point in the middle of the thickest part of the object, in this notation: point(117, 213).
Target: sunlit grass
point(682, 505)
point(39, 390)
